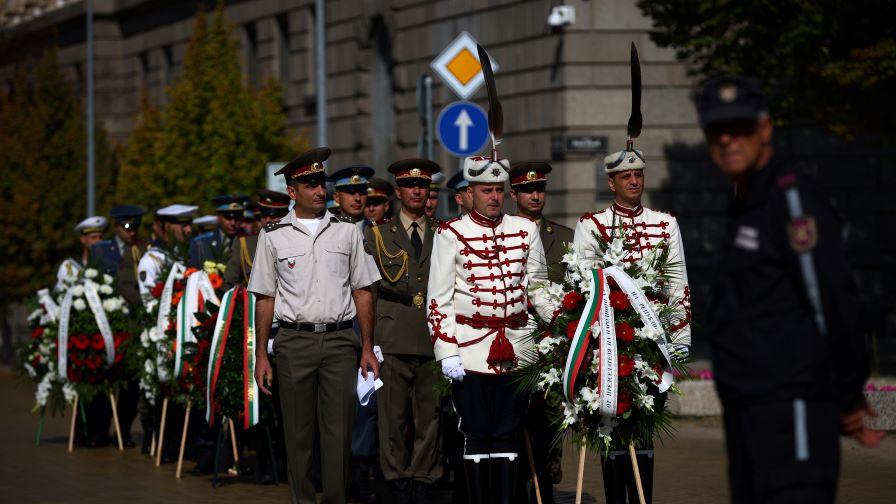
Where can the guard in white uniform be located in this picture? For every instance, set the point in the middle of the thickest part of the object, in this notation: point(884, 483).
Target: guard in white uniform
point(172, 226)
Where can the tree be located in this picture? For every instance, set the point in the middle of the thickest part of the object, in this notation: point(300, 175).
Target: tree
point(828, 61)
point(214, 136)
point(43, 155)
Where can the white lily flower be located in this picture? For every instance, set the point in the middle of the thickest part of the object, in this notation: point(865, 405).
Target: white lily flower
point(590, 397)
point(69, 392)
point(549, 378)
point(570, 413)
point(547, 344)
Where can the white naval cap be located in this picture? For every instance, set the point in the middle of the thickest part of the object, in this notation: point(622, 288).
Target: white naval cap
point(95, 224)
point(206, 220)
point(437, 179)
point(177, 212)
point(624, 161)
point(481, 169)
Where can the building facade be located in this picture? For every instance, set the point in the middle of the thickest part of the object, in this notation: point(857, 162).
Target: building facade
point(556, 85)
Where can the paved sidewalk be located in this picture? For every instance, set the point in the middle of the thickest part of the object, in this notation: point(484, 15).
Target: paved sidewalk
point(690, 468)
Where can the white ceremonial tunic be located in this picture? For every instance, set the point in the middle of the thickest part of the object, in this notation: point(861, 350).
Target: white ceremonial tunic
point(149, 268)
point(478, 289)
point(644, 230)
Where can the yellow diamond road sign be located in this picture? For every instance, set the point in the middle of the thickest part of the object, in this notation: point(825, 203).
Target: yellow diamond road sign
point(458, 66)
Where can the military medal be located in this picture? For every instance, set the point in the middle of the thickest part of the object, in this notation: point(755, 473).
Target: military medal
point(418, 300)
point(802, 234)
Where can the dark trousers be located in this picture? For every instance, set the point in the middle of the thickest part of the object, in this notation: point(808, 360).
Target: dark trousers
point(783, 451)
point(317, 374)
point(491, 410)
point(128, 398)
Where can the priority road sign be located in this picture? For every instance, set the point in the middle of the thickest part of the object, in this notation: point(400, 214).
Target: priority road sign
point(462, 128)
point(458, 66)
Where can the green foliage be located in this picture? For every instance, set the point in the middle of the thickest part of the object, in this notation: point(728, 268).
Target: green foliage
point(215, 134)
point(43, 155)
point(828, 61)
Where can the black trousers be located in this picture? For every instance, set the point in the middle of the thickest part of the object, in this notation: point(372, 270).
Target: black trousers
point(491, 411)
point(783, 451)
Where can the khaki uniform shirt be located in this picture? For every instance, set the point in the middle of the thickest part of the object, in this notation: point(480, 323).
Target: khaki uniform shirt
point(311, 276)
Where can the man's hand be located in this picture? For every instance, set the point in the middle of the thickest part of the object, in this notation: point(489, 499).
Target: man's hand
point(453, 369)
point(852, 424)
point(369, 361)
point(264, 374)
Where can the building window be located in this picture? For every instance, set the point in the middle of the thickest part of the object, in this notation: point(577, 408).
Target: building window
point(281, 49)
point(250, 53)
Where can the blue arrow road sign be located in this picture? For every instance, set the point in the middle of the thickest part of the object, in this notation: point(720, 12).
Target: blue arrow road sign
point(462, 128)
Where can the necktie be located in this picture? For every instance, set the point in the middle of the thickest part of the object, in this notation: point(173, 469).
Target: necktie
point(415, 240)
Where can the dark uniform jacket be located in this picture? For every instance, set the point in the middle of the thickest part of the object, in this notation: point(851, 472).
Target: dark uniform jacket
point(239, 266)
point(554, 238)
point(765, 343)
point(401, 326)
point(123, 267)
point(210, 246)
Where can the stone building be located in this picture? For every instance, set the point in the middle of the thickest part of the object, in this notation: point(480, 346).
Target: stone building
point(555, 85)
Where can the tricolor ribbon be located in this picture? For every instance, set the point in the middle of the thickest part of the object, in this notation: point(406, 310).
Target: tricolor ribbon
point(218, 346)
point(197, 291)
point(177, 269)
point(598, 318)
point(102, 322)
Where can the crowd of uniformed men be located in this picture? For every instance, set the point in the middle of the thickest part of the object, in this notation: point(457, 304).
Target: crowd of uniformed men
point(376, 281)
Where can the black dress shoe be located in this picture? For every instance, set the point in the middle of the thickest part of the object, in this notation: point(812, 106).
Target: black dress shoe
point(422, 492)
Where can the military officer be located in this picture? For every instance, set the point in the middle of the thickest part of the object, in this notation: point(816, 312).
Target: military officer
point(350, 190)
point(216, 245)
point(90, 231)
point(401, 249)
point(311, 273)
point(435, 187)
point(205, 224)
point(272, 205)
point(788, 352)
point(332, 205)
point(528, 188)
point(481, 267)
point(119, 257)
point(459, 184)
point(379, 201)
point(171, 229)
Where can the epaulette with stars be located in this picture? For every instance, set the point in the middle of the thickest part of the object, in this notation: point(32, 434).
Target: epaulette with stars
point(343, 218)
point(273, 226)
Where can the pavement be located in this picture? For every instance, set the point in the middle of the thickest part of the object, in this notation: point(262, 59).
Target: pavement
point(689, 468)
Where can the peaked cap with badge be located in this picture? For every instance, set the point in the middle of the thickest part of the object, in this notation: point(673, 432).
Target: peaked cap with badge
point(307, 167)
point(94, 224)
point(730, 98)
point(414, 171)
point(378, 188)
point(230, 203)
point(351, 178)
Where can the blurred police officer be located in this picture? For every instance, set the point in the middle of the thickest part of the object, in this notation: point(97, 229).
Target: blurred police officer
point(216, 245)
point(311, 273)
point(788, 359)
point(272, 206)
point(350, 190)
point(379, 202)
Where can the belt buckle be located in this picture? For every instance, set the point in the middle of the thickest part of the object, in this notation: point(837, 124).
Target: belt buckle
point(320, 327)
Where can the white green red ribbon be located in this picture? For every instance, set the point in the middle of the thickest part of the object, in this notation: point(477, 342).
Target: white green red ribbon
point(197, 291)
point(99, 315)
point(177, 269)
point(46, 301)
point(216, 355)
point(250, 387)
point(598, 318)
point(578, 349)
point(62, 337)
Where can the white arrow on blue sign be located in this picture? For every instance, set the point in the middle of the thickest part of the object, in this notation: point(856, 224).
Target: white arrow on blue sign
point(462, 128)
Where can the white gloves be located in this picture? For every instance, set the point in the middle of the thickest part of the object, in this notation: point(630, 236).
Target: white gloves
point(452, 368)
point(378, 352)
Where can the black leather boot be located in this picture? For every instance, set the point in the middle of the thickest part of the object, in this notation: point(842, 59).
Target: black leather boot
point(617, 470)
point(478, 481)
point(503, 479)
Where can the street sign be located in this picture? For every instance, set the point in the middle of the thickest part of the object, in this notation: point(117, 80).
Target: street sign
point(458, 66)
point(462, 128)
point(577, 144)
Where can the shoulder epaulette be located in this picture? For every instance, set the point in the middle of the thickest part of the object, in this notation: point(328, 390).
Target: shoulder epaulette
point(273, 226)
point(344, 218)
point(589, 215)
point(383, 221)
point(445, 223)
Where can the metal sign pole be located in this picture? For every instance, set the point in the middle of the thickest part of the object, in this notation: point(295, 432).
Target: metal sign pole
point(91, 197)
point(321, 76)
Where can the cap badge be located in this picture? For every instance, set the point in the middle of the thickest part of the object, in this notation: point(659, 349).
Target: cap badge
point(370, 191)
point(496, 172)
point(356, 179)
point(728, 93)
point(415, 172)
point(531, 175)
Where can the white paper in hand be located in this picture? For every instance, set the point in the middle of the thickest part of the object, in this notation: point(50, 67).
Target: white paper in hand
point(367, 387)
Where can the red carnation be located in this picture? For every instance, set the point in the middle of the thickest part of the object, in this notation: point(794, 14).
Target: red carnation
point(626, 365)
point(118, 357)
point(623, 403)
point(619, 301)
point(157, 290)
point(94, 362)
point(571, 300)
point(571, 329)
point(97, 342)
point(624, 332)
point(37, 333)
point(81, 341)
